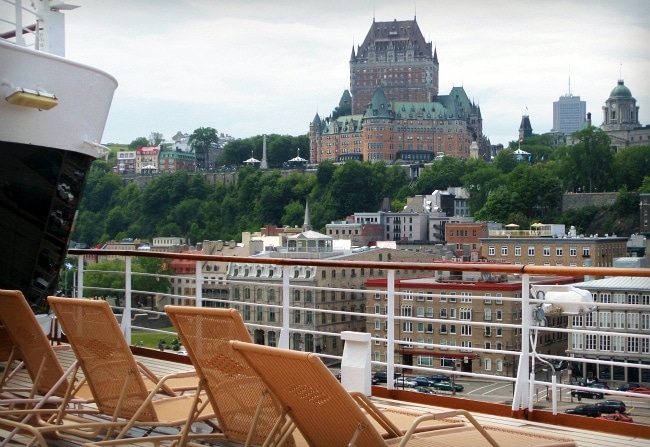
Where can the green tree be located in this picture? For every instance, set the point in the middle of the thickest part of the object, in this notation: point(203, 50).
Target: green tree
point(588, 166)
point(440, 175)
point(481, 179)
point(138, 143)
point(631, 165)
point(506, 161)
point(645, 185)
point(201, 141)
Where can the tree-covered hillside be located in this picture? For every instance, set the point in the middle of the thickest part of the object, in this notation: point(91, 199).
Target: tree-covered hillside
point(505, 190)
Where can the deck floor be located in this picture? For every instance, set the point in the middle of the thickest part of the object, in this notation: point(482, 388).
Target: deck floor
point(401, 412)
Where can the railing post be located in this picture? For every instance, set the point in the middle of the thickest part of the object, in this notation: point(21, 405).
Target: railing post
point(198, 298)
point(355, 364)
point(20, 40)
point(283, 342)
point(390, 332)
point(521, 398)
point(126, 313)
point(80, 276)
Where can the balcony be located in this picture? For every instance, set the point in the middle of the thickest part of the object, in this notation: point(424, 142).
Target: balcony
point(531, 390)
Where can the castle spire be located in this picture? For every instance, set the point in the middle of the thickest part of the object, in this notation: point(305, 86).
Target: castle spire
point(306, 226)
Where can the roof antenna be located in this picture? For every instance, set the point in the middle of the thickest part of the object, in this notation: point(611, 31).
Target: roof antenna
point(569, 80)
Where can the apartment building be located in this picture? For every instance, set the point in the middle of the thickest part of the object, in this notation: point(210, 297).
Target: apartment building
point(547, 244)
point(434, 316)
point(626, 336)
point(256, 290)
point(466, 238)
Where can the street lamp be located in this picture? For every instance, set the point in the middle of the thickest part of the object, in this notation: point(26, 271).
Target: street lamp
point(558, 299)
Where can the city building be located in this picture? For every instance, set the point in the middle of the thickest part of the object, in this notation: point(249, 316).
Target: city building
point(436, 315)
point(548, 244)
point(466, 238)
point(397, 114)
point(176, 160)
point(146, 159)
point(525, 128)
point(125, 162)
point(621, 119)
point(396, 56)
point(569, 114)
point(629, 341)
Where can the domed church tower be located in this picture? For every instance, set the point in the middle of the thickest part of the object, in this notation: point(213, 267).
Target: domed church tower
point(620, 111)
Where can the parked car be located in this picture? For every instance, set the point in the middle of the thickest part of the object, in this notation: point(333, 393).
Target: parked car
point(640, 390)
point(596, 394)
point(599, 385)
point(423, 389)
point(611, 406)
point(628, 386)
point(404, 382)
point(616, 417)
point(584, 410)
point(423, 381)
point(446, 386)
point(439, 378)
point(382, 376)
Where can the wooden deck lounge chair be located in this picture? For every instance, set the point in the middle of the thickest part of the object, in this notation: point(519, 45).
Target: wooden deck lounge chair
point(54, 394)
point(245, 411)
point(31, 346)
point(113, 375)
point(327, 415)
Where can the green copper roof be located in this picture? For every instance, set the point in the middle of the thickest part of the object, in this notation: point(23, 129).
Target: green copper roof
point(620, 91)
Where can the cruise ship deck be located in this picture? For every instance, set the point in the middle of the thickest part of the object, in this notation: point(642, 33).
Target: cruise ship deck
point(401, 410)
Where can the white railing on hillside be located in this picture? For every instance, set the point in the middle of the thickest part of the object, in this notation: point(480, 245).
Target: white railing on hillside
point(522, 367)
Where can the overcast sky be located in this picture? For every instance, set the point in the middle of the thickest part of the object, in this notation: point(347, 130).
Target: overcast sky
point(249, 67)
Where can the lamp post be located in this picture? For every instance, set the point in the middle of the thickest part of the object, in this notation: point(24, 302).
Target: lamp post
point(453, 378)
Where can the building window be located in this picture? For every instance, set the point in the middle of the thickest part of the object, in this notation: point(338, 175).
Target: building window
point(547, 251)
point(491, 250)
point(573, 251)
point(504, 250)
point(531, 251)
point(559, 251)
point(517, 250)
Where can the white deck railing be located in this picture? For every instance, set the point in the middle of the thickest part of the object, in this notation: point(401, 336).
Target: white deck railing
point(530, 364)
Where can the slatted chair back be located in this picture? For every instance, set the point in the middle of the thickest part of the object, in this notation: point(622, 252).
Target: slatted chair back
point(104, 356)
point(234, 389)
point(27, 335)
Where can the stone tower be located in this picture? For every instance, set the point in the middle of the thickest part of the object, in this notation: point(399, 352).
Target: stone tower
point(396, 56)
point(620, 111)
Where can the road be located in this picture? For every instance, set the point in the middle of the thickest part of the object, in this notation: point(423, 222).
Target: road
point(500, 392)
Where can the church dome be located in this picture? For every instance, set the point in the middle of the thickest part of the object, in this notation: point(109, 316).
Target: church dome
point(620, 91)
